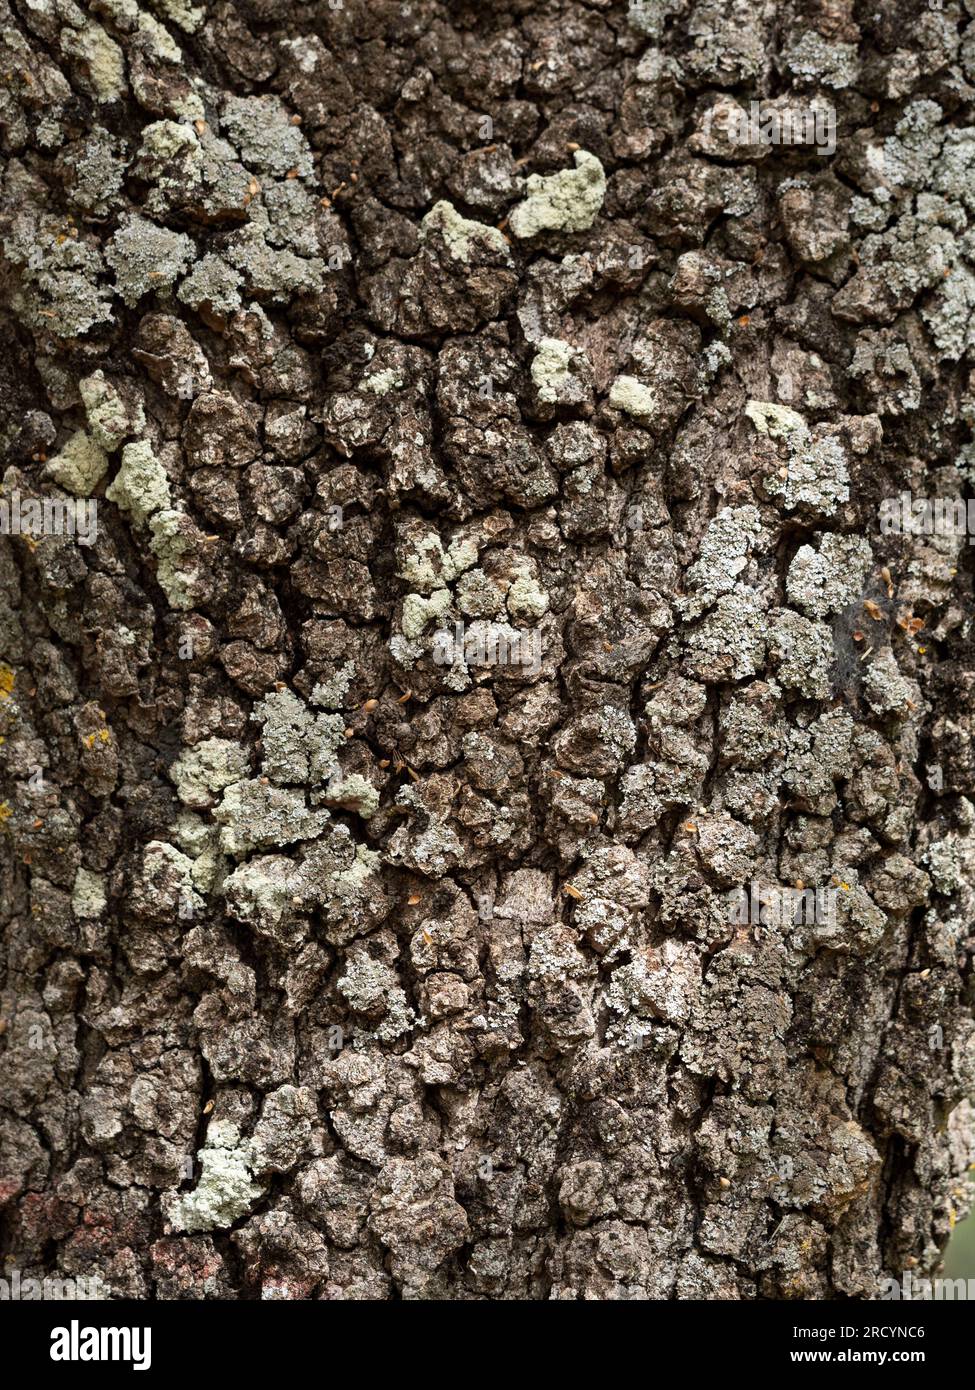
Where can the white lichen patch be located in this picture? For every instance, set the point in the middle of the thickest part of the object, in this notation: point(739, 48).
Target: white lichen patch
point(382, 382)
point(568, 201)
point(459, 232)
point(79, 465)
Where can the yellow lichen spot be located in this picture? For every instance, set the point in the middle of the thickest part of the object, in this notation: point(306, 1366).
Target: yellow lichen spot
point(5, 812)
point(104, 735)
point(89, 740)
point(7, 679)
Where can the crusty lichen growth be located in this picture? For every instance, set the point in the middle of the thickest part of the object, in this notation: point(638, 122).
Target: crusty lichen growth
point(226, 1189)
point(568, 201)
point(79, 465)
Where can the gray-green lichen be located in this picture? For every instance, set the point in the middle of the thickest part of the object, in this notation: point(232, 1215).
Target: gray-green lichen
point(213, 284)
point(172, 548)
point(458, 232)
point(226, 1190)
point(260, 128)
point(550, 367)
point(826, 580)
point(207, 768)
point(141, 486)
point(147, 257)
point(88, 899)
point(254, 815)
point(110, 419)
point(298, 745)
point(568, 201)
point(816, 475)
point(79, 465)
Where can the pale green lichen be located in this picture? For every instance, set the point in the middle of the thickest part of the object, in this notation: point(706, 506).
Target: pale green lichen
point(88, 898)
point(79, 466)
point(526, 598)
point(201, 842)
point(171, 546)
point(109, 418)
point(777, 421)
point(146, 257)
point(425, 565)
point(458, 232)
point(207, 768)
point(631, 396)
point(419, 611)
point(550, 368)
point(188, 17)
point(353, 793)
point(100, 58)
point(568, 201)
point(254, 815)
point(227, 1188)
point(164, 140)
point(141, 486)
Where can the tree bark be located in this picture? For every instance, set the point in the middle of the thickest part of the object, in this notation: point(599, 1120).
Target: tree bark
point(488, 591)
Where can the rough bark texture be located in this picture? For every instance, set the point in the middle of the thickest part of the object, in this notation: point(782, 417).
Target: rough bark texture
point(337, 965)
